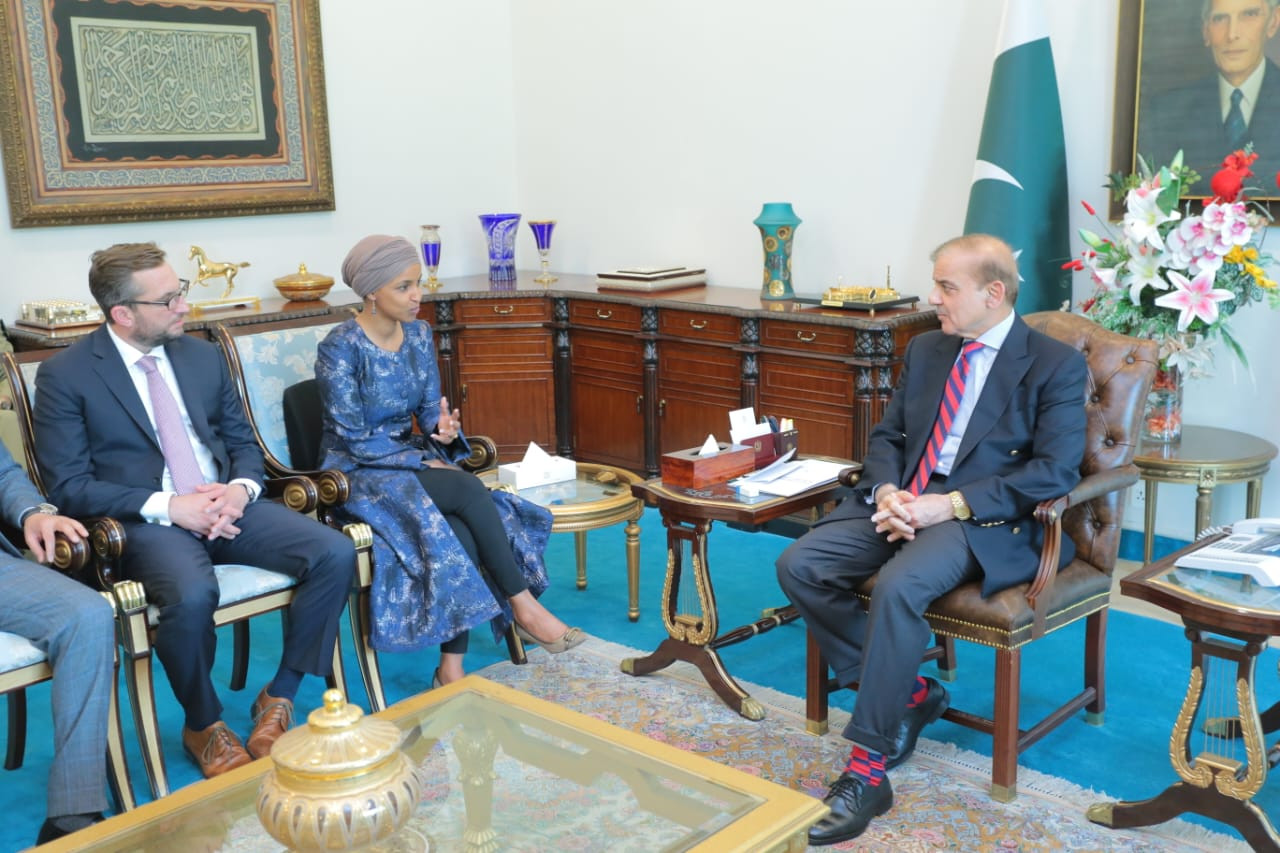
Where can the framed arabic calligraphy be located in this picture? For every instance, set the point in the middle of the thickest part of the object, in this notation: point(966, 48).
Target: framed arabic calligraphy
point(127, 110)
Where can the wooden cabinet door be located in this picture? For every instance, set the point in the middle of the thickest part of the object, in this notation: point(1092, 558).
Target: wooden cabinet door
point(608, 399)
point(698, 386)
point(607, 405)
point(505, 375)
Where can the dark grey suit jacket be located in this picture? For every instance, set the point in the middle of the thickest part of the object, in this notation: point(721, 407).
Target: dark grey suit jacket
point(1023, 444)
point(97, 450)
point(1190, 119)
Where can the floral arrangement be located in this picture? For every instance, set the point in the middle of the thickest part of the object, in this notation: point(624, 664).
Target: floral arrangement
point(1177, 277)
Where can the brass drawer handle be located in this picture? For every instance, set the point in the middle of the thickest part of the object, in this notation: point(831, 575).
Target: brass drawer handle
point(662, 408)
point(603, 315)
point(698, 324)
point(806, 337)
point(504, 309)
point(464, 392)
point(639, 404)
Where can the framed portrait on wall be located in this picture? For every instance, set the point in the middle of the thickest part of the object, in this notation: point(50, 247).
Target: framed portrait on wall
point(1179, 65)
point(116, 111)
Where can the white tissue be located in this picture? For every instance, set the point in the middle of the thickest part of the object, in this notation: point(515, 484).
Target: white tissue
point(710, 447)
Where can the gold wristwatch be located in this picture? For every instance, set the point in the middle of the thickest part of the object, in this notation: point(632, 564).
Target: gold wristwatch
point(958, 506)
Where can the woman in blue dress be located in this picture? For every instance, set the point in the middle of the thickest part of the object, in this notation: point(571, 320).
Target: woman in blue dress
point(448, 554)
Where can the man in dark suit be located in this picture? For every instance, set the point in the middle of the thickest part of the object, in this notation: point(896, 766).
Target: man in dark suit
point(72, 625)
point(140, 422)
point(1220, 113)
point(986, 421)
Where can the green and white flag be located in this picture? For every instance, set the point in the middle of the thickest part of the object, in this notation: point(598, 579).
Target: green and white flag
point(1019, 190)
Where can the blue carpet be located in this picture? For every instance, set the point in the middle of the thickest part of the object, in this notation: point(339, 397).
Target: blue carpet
point(1128, 757)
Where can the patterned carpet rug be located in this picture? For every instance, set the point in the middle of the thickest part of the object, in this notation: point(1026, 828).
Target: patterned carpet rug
point(940, 795)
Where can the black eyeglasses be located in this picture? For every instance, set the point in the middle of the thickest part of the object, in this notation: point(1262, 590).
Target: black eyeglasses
point(171, 303)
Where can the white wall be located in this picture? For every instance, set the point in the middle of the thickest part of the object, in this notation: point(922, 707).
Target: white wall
point(652, 132)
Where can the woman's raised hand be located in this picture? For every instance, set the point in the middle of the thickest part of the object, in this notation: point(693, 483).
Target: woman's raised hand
point(449, 424)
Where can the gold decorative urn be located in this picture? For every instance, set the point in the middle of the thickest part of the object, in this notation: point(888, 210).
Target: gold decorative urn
point(304, 285)
point(340, 783)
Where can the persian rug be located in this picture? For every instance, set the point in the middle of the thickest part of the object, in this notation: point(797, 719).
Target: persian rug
point(940, 794)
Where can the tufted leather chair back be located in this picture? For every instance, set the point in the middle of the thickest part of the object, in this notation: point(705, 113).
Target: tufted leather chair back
point(1120, 372)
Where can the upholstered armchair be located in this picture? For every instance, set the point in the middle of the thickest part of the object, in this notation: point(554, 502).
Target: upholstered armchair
point(1120, 374)
point(22, 664)
point(264, 366)
point(244, 591)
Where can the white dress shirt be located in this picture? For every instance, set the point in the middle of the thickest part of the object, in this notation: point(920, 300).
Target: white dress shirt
point(156, 508)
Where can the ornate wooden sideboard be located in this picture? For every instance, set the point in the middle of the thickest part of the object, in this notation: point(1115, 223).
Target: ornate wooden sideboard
point(620, 378)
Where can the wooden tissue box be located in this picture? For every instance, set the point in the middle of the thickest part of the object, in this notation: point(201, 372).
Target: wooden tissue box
point(690, 470)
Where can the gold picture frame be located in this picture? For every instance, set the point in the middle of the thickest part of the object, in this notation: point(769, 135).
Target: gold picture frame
point(1162, 61)
point(117, 111)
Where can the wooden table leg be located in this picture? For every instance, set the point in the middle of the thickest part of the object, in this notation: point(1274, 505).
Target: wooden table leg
point(1253, 498)
point(1204, 505)
point(1149, 521)
point(633, 566)
point(1212, 784)
point(580, 551)
point(692, 635)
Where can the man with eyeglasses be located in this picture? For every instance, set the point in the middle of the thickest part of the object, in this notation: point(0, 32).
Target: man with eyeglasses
point(141, 422)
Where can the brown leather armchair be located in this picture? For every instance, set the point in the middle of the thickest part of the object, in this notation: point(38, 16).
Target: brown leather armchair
point(1120, 373)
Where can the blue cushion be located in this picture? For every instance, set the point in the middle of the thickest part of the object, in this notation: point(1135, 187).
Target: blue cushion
point(17, 652)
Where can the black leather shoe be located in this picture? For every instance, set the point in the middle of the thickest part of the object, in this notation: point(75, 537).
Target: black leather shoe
point(57, 827)
point(854, 802)
point(935, 702)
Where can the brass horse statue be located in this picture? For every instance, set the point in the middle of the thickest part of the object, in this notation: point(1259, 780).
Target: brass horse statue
point(208, 269)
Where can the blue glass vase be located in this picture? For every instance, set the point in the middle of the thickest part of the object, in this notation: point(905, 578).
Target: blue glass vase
point(777, 223)
point(500, 231)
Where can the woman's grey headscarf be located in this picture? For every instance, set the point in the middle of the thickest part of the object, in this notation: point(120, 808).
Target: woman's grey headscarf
point(375, 260)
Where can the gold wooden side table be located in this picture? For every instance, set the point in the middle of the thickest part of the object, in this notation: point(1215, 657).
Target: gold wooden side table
point(1205, 458)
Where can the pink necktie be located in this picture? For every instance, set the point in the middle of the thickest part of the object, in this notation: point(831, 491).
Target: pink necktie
point(174, 441)
point(951, 398)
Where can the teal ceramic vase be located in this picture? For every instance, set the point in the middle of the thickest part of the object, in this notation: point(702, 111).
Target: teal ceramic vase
point(777, 223)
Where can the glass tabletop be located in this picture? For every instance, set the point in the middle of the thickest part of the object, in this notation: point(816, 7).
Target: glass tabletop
point(1221, 589)
point(594, 484)
point(501, 764)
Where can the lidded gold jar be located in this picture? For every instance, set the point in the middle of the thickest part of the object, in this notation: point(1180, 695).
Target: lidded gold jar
point(339, 783)
point(304, 286)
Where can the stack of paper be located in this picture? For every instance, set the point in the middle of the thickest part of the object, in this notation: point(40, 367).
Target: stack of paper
point(784, 478)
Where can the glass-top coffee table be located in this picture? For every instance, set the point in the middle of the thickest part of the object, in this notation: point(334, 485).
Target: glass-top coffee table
point(506, 771)
point(600, 496)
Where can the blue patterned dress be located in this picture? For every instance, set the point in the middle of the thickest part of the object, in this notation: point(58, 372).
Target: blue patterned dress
point(425, 590)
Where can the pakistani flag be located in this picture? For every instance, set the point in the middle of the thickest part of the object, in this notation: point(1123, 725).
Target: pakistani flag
point(1019, 190)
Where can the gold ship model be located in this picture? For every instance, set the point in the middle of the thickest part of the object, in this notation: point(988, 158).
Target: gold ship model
point(865, 298)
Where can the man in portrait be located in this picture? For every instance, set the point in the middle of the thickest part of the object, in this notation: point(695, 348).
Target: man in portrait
point(1235, 104)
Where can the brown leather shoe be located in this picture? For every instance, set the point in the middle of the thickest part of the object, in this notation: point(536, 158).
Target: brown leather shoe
point(215, 749)
point(272, 717)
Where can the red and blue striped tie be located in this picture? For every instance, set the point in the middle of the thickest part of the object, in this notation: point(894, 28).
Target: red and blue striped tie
point(951, 398)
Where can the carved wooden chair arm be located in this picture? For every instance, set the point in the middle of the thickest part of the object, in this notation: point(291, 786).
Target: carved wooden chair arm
point(850, 476)
point(1049, 513)
point(332, 485)
point(297, 492)
point(484, 454)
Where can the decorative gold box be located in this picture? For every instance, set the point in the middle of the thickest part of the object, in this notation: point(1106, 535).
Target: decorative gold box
point(59, 314)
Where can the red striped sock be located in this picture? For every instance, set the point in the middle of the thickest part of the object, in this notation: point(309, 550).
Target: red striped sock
point(866, 764)
point(919, 693)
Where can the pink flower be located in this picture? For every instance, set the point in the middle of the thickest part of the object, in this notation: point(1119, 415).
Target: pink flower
point(1195, 298)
